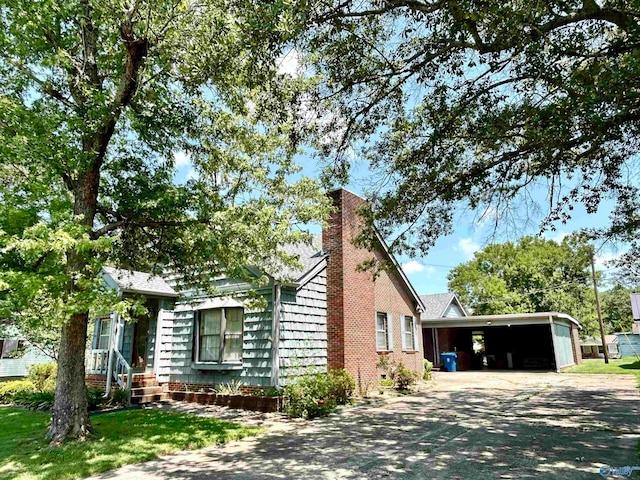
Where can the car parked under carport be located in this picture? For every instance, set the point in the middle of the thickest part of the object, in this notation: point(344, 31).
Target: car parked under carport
point(523, 341)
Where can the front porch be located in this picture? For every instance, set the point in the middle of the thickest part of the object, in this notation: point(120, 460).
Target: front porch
point(124, 351)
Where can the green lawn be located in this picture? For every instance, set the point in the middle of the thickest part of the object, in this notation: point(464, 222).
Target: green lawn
point(120, 438)
point(617, 366)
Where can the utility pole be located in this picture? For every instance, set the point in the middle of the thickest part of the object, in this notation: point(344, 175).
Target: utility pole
point(595, 290)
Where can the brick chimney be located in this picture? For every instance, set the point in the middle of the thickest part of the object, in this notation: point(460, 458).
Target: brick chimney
point(350, 293)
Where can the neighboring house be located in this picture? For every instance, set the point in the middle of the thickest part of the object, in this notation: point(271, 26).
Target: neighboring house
point(629, 342)
point(592, 347)
point(438, 305)
point(16, 354)
point(327, 314)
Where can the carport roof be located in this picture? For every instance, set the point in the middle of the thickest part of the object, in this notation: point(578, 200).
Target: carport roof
point(499, 320)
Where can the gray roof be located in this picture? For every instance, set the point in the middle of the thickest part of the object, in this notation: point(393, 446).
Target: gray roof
point(309, 255)
point(435, 304)
point(139, 282)
point(595, 341)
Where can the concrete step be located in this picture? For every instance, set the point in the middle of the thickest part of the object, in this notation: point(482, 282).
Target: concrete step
point(154, 397)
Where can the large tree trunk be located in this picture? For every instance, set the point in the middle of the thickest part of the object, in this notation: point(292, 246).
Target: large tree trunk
point(70, 409)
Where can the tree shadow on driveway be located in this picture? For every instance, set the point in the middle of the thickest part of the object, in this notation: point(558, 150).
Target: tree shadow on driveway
point(474, 433)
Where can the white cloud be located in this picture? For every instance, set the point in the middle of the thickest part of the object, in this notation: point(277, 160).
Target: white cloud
point(602, 259)
point(192, 174)
point(556, 236)
point(412, 267)
point(488, 215)
point(289, 64)
point(468, 247)
point(181, 158)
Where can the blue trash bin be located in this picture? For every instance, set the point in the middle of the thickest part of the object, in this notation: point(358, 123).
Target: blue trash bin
point(450, 361)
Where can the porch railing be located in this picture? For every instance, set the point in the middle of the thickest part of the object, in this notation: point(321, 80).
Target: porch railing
point(97, 361)
point(121, 372)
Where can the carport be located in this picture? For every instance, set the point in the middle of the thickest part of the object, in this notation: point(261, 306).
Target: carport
point(523, 341)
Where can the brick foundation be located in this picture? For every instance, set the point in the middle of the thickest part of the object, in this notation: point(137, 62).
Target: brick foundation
point(96, 381)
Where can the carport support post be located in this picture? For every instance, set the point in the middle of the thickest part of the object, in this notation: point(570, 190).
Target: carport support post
point(553, 344)
point(595, 290)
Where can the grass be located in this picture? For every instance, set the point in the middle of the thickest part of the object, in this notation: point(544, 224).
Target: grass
point(615, 366)
point(120, 438)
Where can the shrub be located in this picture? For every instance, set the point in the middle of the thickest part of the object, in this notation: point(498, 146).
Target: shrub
point(386, 382)
point(403, 378)
point(9, 391)
point(232, 388)
point(95, 397)
point(341, 386)
point(41, 400)
point(427, 369)
point(309, 397)
point(117, 396)
point(43, 376)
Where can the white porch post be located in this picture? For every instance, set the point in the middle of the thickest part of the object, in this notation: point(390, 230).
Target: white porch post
point(113, 338)
point(158, 340)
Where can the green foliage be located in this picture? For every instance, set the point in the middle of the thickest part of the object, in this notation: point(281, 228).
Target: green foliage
point(43, 376)
point(315, 395)
point(531, 275)
point(386, 382)
point(428, 366)
point(12, 389)
point(118, 397)
point(448, 103)
point(39, 400)
point(342, 386)
point(95, 397)
point(120, 438)
point(615, 305)
point(268, 392)
point(401, 377)
point(231, 388)
point(99, 105)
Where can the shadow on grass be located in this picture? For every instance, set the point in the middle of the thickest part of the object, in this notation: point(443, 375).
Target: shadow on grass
point(120, 438)
point(631, 366)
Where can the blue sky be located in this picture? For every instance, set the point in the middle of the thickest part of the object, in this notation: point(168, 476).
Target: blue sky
point(429, 273)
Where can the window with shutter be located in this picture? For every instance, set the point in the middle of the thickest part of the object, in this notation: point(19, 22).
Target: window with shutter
point(382, 332)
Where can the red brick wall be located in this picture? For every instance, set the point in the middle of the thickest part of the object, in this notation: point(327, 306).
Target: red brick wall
point(96, 381)
point(353, 297)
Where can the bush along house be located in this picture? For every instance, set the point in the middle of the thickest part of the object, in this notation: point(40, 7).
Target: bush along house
point(328, 314)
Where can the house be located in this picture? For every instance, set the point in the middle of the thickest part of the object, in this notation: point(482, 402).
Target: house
point(327, 314)
point(438, 305)
point(629, 342)
point(592, 347)
point(16, 354)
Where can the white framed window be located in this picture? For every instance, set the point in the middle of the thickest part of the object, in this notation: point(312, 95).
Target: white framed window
point(409, 333)
point(219, 335)
point(104, 329)
point(382, 332)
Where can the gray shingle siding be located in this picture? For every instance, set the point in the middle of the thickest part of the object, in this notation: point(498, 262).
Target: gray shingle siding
point(303, 329)
point(176, 347)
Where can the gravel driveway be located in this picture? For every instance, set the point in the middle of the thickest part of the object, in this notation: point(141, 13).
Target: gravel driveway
point(465, 425)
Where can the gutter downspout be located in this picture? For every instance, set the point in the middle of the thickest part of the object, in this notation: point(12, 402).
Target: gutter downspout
point(275, 336)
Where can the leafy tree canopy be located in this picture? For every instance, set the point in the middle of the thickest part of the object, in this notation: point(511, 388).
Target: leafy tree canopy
point(477, 104)
point(615, 304)
point(96, 97)
point(532, 275)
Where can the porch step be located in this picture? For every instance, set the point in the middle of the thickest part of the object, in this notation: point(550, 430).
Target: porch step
point(145, 388)
point(153, 397)
point(150, 390)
